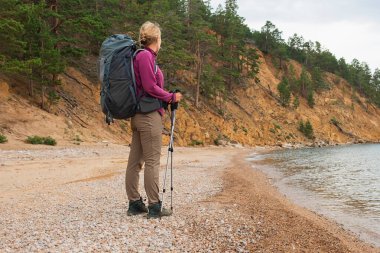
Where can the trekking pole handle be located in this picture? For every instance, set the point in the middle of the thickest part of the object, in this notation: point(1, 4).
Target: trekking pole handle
point(174, 106)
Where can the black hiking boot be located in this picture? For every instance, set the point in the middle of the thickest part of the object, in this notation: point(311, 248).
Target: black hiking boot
point(156, 212)
point(137, 207)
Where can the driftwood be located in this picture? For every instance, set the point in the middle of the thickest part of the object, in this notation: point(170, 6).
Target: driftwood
point(72, 104)
point(76, 80)
point(69, 99)
point(344, 131)
point(269, 92)
point(240, 107)
point(74, 117)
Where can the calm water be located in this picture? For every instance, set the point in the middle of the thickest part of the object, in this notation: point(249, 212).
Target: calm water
point(342, 183)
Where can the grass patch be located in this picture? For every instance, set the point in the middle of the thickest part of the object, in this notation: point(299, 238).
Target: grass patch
point(77, 140)
point(3, 139)
point(196, 143)
point(41, 140)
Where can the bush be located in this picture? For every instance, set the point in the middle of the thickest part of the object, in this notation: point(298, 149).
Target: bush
point(284, 90)
point(310, 99)
point(196, 143)
point(41, 140)
point(296, 102)
point(3, 139)
point(306, 129)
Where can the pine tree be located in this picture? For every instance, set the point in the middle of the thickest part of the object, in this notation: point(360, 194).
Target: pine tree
point(12, 43)
point(304, 83)
point(269, 37)
point(310, 98)
point(202, 41)
point(317, 79)
point(296, 102)
point(283, 89)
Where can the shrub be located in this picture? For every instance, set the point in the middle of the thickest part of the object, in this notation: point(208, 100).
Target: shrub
point(3, 139)
point(306, 129)
point(41, 140)
point(196, 143)
point(296, 102)
point(310, 99)
point(284, 90)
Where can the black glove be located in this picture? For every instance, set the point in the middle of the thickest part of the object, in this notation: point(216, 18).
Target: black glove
point(174, 106)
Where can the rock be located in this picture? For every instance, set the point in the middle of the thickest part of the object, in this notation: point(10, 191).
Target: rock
point(221, 142)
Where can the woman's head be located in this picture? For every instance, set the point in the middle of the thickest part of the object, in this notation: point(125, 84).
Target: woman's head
point(150, 34)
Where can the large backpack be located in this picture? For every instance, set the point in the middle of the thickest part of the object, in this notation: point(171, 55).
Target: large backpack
point(118, 87)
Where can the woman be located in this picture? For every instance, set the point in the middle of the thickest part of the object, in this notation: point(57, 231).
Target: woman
point(147, 128)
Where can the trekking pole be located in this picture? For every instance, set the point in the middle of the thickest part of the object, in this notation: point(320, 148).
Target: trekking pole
point(173, 108)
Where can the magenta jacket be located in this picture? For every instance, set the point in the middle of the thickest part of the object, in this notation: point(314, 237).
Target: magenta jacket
point(147, 80)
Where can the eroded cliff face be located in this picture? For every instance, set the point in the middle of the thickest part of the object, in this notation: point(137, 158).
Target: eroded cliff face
point(250, 116)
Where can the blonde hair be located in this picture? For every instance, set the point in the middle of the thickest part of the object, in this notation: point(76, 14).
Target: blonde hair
point(149, 33)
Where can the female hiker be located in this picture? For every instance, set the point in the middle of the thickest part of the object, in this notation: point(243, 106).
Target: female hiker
point(147, 127)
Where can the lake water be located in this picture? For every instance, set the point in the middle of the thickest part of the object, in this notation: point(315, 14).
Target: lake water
point(342, 183)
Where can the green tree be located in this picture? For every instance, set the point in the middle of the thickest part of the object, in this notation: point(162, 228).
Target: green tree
point(307, 129)
point(304, 83)
point(269, 37)
point(296, 102)
point(310, 98)
point(295, 44)
point(284, 91)
point(12, 46)
point(202, 41)
point(317, 79)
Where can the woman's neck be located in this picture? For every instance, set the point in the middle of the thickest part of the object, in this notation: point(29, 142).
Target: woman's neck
point(154, 47)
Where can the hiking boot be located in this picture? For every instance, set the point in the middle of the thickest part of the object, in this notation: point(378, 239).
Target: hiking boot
point(137, 207)
point(156, 212)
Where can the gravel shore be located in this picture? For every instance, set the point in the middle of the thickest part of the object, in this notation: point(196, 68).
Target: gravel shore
point(73, 200)
point(89, 214)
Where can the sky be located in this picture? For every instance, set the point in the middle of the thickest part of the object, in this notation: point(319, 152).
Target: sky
point(347, 28)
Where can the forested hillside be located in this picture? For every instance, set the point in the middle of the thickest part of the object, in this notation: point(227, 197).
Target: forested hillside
point(212, 56)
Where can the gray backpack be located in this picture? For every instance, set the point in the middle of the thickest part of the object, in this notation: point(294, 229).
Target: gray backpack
point(118, 97)
point(118, 88)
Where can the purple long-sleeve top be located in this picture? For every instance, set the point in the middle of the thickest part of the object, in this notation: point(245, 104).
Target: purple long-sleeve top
point(148, 81)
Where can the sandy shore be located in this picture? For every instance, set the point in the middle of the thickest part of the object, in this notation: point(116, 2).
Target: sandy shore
point(72, 199)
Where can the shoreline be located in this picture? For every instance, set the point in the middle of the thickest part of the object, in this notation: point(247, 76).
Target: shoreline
point(221, 204)
point(362, 225)
point(285, 225)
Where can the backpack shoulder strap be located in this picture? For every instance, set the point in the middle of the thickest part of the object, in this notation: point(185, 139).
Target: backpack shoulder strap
point(155, 63)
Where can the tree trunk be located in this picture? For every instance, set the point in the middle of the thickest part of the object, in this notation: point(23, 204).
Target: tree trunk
point(30, 88)
point(231, 69)
point(43, 97)
point(198, 52)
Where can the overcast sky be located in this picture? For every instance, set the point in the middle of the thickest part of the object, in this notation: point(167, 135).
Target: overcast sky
point(347, 28)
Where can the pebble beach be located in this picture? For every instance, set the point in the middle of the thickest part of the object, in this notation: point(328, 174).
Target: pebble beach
point(73, 200)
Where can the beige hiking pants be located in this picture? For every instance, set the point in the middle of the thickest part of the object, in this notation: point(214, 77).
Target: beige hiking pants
point(145, 147)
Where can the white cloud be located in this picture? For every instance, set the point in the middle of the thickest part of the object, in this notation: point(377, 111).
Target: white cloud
point(347, 28)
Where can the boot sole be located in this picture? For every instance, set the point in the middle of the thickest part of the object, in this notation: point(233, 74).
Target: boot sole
point(134, 214)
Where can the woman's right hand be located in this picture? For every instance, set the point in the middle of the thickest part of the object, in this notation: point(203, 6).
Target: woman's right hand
point(178, 97)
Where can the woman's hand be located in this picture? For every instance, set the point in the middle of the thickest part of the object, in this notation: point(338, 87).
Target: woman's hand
point(178, 97)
